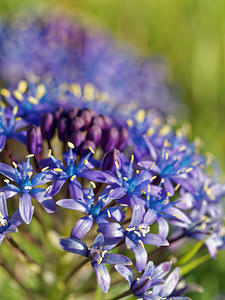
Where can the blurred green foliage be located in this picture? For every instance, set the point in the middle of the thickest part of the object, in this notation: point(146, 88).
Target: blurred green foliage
point(190, 34)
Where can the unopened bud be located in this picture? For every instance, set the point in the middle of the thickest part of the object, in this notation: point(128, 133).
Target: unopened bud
point(110, 159)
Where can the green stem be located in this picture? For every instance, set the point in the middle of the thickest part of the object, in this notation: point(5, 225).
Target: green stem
point(13, 276)
point(125, 294)
point(75, 270)
point(14, 244)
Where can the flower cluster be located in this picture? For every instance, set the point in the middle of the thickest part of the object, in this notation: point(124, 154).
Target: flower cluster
point(72, 53)
point(137, 182)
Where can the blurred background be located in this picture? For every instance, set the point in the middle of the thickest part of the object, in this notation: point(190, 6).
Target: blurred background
point(190, 35)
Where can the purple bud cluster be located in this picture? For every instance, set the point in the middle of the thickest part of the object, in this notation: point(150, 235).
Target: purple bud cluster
point(84, 128)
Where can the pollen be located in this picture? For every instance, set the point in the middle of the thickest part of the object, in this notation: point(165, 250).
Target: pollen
point(58, 169)
point(92, 150)
point(93, 184)
point(15, 110)
point(49, 152)
point(150, 131)
point(108, 213)
point(132, 159)
point(70, 145)
point(85, 161)
point(33, 100)
point(117, 165)
point(45, 169)
point(18, 95)
point(76, 90)
point(6, 93)
point(89, 92)
point(40, 91)
point(140, 116)
point(73, 177)
point(164, 130)
point(14, 164)
point(130, 123)
point(22, 86)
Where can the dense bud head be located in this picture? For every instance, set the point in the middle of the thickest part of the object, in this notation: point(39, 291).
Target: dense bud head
point(34, 140)
point(94, 134)
point(109, 159)
point(47, 126)
point(111, 139)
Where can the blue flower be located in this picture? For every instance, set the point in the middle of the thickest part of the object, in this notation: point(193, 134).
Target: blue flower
point(136, 235)
point(26, 186)
point(127, 184)
point(99, 211)
point(7, 225)
point(10, 126)
point(153, 278)
point(60, 173)
point(99, 255)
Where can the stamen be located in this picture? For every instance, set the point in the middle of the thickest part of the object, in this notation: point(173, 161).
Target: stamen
point(33, 100)
point(22, 86)
point(70, 145)
point(130, 123)
point(18, 95)
point(6, 93)
point(73, 177)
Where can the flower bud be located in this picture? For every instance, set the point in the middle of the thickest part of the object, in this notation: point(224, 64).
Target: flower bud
point(107, 122)
point(47, 126)
point(111, 139)
point(94, 134)
point(63, 129)
point(86, 115)
point(77, 138)
point(122, 139)
point(99, 121)
point(85, 148)
point(109, 159)
point(77, 124)
point(72, 113)
point(34, 140)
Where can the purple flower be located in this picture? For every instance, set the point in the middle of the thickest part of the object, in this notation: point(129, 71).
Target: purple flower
point(152, 278)
point(60, 173)
point(100, 211)
point(99, 255)
point(136, 235)
point(7, 225)
point(10, 126)
point(26, 186)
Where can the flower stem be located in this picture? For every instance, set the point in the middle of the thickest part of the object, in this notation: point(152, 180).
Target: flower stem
point(14, 244)
point(75, 270)
point(124, 294)
point(13, 276)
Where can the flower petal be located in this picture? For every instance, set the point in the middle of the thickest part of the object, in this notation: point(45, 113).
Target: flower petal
point(155, 240)
point(25, 207)
point(102, 276)
point(3, 205)
point(140, 256)
point(82, 227)
point(125, 272)
point(74, 246)
point(2, 142)
point(116, 259)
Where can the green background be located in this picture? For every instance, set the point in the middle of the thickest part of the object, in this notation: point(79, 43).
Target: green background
point(190, 34)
